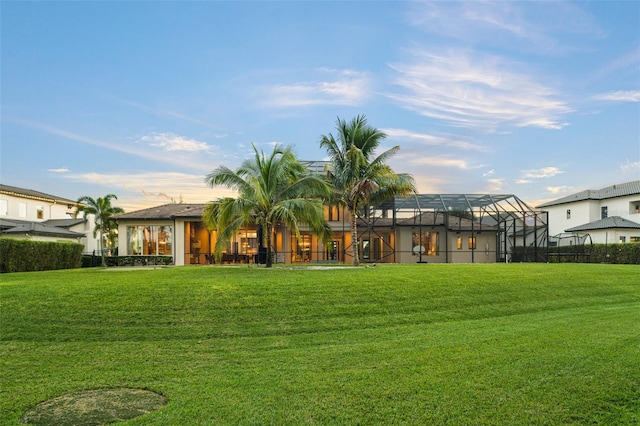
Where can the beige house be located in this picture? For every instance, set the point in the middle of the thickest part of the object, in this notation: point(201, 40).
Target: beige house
point(426, 228)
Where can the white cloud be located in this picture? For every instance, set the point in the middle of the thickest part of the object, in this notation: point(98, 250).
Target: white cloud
point(140, 190)
point(470, 90)
point(59, 170)
point(631, 167)
point(489, 173)
point(439, 161)
point(523, 181)
point(494, 185)
point(431, 139)
point(620, 95)
point(545, 172)
point(559, 189)
point(173, 142)
point(345, 87)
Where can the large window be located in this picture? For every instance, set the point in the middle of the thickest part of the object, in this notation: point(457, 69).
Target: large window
point(427, 244)
point(4, 207)
point(149, 240)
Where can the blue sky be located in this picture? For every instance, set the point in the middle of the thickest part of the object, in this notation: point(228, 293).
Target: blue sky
point(143, 99)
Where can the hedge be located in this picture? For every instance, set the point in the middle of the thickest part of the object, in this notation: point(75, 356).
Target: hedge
point(627, 253)
point(28, 255)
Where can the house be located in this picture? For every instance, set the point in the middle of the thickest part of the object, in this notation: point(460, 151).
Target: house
point(434, 228)
point(608, 215)
point(29, 214)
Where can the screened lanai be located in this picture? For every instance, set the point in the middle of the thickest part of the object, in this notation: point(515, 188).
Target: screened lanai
point(454, 228)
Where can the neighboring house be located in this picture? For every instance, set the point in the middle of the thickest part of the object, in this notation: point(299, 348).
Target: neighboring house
point(608, 215)
point(434, 228)
point(29, 214)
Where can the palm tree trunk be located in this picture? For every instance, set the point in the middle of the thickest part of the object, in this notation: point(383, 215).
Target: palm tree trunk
point(354, 239)
point(104, 263)
point(267, 237)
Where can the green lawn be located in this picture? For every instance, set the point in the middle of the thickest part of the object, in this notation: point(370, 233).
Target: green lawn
point(516, 344)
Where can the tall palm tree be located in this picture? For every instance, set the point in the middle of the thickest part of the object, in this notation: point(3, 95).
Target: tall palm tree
point(102, 211)
point(359, 177)
point(271, 189)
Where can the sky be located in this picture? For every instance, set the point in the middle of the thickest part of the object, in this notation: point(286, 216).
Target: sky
point(144, 99)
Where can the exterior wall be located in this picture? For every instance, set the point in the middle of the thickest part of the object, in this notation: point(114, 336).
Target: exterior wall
point(27, 209)
point(123, 243)
point(581, 212)
point(586, 211)
point(30, 210)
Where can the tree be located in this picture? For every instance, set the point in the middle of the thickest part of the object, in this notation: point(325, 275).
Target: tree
point(102, 211)
point(271, 189)
point(361, 178)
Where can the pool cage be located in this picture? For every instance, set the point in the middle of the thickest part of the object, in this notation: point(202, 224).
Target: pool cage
point(521, 233)
point(570, 247)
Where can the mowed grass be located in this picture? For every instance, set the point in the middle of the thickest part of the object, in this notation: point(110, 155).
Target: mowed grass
point(516, 344)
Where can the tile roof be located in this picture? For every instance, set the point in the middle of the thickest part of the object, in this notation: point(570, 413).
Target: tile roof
point(19, 227)
point(37, 195)
point(63, 223)
point(165, 211)
point(613, 191)
point(607, 223)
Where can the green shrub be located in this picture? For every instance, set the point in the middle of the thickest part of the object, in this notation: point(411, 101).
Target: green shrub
point(27, 255)
point(625, 253)
point(138, 260)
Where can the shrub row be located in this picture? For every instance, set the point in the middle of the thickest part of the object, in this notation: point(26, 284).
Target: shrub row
point(28, 255)
point(627, 253)
point(138, 260)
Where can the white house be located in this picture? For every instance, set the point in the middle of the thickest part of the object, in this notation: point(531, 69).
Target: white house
point(608, 215)
point(29, 214)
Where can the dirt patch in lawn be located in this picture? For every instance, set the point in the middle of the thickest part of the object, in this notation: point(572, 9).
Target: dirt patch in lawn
point(95, 407)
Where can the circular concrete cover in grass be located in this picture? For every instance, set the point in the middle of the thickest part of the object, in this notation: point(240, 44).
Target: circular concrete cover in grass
point(95, 407)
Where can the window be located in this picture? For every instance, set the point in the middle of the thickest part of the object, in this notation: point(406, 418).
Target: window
point(604, 212)
point(332, 213)
point(568, 213)
point(149, 240)
point(4, 207)
point(22, 210)
point(623, 239)
point(40, 212)
point(472, 243)
point(634, 239)
point(634, 207)
point(459, 243)
point(428, 244)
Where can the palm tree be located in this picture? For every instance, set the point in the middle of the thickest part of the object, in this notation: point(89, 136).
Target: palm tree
point(359, 177)
point(102, 211)
point(271, 189)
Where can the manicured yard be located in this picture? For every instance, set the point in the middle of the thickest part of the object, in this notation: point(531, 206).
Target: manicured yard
point(515, 344)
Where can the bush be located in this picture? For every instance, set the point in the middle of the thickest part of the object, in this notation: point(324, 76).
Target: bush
point(138, 260)
point(625, 253)
point(27, 255)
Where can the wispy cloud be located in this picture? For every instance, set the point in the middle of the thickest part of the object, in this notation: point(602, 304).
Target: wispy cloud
point(475, 91)
point(526, 26)
point(333, 87)
point(163, 112)
point(489, 173)
point(631, 167)
point(152, 188)
point(494, 185)
point(545, 172)
point(173, 142)
point(559, 189)
point(431, 140)
point(442, 161)
point(59, 170)
point(112, 145)
point(620, 95)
